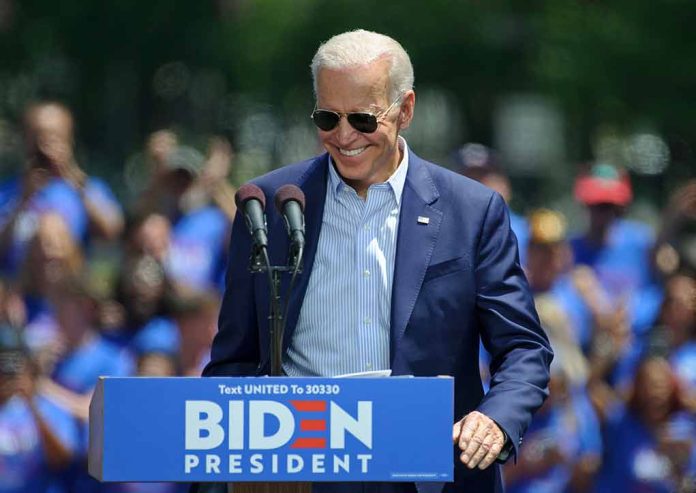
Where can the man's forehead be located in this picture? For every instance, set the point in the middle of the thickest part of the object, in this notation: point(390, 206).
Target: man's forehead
point(50, 115)
point(369, 83)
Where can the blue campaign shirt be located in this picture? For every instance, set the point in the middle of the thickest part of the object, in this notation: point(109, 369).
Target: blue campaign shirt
point(623, 268)
point(634, 461)
point(23, 466)
point(344, 321)
point(574, 429)
point(80, 369)
point(197, 253)
point(57, 196)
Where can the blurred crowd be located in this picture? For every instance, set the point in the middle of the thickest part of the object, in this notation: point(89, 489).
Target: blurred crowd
point(618, 303)
point(617, 300)
point(67, 317)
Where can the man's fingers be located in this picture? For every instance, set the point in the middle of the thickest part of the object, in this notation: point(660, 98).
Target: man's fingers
point(468, 429)
point(456, 431)
point(492, 454)
point(472, 447)
point(480, 440)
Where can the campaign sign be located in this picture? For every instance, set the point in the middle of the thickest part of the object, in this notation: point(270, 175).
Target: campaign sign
point(272, 429)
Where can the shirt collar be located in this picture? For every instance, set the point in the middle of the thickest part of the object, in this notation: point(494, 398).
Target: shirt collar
point(396, 181)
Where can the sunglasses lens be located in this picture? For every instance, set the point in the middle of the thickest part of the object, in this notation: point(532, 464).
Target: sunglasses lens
point(363, 122)
point(325, 120)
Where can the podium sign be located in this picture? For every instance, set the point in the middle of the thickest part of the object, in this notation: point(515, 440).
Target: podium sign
point(272, 429)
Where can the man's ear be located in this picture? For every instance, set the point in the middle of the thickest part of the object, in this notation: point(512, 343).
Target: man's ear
point(408, 105)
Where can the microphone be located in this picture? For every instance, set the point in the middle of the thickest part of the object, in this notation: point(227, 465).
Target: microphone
point(290, 201)
point(251, 200)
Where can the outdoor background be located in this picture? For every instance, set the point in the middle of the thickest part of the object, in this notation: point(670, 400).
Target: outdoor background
point(548, 83)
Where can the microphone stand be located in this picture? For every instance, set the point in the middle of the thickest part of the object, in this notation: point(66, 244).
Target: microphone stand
point(259, 263)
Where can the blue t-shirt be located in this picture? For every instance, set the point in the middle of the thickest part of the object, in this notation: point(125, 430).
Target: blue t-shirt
point(23, 465)
point(623, 268)
point(57, 196)
point(634, 461)
point(572, 428)
point(197, 255)
point(79, 370)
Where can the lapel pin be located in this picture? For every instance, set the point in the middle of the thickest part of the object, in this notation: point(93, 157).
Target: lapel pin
point(423, 220)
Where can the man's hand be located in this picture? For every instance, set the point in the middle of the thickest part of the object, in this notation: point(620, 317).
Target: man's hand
point(479, 438)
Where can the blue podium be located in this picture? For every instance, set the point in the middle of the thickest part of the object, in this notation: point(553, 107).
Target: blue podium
point(272, 429)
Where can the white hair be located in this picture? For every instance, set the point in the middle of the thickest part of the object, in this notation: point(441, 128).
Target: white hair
point(360, 47)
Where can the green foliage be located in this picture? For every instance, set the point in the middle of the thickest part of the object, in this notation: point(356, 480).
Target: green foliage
point(622, 62)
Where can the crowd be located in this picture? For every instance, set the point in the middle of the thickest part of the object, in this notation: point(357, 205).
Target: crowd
point(618, 302)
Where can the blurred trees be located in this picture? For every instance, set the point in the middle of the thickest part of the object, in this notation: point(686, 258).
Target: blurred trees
point(128, 67)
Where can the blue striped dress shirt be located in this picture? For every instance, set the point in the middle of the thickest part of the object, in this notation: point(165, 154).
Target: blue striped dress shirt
point(344, 321)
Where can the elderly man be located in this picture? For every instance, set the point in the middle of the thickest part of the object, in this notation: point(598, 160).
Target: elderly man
point(407, 265)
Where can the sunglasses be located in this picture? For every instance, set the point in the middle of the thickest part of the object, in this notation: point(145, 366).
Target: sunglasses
point(362, 121)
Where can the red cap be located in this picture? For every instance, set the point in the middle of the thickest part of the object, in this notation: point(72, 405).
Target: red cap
point(604, 185)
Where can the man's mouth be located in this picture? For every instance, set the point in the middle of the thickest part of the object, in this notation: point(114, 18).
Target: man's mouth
point(351, 152)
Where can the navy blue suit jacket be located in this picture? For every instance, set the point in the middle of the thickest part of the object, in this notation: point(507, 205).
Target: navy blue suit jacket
point(456, 279)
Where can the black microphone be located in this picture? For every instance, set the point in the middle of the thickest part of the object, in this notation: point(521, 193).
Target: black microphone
point(290, 201)
point(251, 200)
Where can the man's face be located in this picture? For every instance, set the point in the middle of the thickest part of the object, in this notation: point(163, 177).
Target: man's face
point(363, 159)
point(49, 135)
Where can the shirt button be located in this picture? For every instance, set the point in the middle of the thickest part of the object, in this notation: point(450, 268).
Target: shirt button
point(368, 366)
point(366, 273)
point(367, 320)
point(366, 227)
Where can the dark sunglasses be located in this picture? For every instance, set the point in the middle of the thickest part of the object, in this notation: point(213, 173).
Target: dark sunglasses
point(362, 121)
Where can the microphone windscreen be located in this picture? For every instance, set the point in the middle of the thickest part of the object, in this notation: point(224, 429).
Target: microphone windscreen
point(289, 192)
point(249, 191)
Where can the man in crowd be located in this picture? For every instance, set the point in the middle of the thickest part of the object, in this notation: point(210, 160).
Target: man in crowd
point(52, 181)
point(406, 266)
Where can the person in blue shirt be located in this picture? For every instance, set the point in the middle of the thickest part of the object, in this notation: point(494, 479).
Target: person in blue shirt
point(38, 439)
point(52, 181)
point(618, 250)
point(193, 193)
point(677, 321)
point(653, 439)
point(563, 448)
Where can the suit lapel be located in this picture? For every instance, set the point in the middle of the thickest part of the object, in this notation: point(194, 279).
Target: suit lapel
point(313, 184)
point(419, 224)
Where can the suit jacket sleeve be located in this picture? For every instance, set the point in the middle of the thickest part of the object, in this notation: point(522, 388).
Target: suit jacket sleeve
point(235, 350)
point(510, 329)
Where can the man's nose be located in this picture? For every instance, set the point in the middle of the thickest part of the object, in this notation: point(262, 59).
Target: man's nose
point(345, 132)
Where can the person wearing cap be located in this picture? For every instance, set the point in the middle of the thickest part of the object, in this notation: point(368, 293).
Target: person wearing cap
point(618, 250)
point(38, 438)
point(407, 265)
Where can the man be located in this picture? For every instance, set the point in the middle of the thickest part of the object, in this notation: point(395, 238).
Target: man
point(617, 249)
point(52, 181)
point(406, 265)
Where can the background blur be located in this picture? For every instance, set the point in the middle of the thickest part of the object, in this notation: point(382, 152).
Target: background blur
point(549, 84)
point(116, 204)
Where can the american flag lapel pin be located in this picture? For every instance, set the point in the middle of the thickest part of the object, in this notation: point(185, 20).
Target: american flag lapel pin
point(423, 220)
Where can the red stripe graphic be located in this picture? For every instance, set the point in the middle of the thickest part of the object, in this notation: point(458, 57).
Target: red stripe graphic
point(309, 405)
point(309, 443)
point(313, 425)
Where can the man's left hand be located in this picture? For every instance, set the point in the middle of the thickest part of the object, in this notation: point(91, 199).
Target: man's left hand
point(479, 438)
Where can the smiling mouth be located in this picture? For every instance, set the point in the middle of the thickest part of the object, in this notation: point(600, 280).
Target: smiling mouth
point(351, 152)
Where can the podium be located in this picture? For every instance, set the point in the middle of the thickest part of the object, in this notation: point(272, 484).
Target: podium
point(266, 434)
